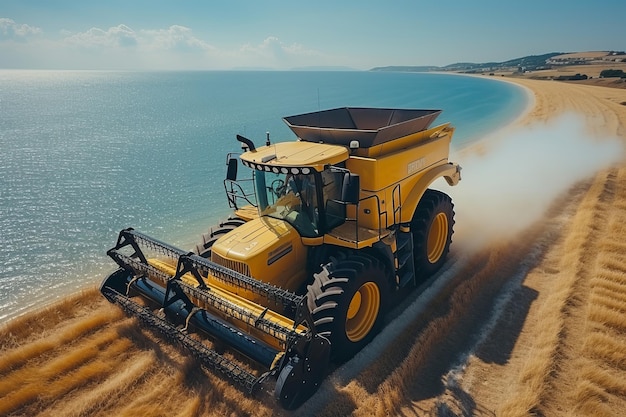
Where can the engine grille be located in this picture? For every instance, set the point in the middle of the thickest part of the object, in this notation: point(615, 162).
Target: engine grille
point(240, 267)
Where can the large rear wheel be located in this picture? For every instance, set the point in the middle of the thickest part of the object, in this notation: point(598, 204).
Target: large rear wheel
point(347, 300)
point(432, 228)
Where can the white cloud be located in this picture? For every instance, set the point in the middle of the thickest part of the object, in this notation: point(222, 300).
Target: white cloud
point(174, 37)
point(117, 36)
point(272, 47)
point(122, 47)
point(15, 31)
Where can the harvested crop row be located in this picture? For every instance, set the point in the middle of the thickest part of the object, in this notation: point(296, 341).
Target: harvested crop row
point(546, 356)
point(599, 388)
point(104, 364)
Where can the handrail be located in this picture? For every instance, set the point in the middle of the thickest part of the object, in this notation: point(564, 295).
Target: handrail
point(235, 193)
point(396, 209)
point(383, 215)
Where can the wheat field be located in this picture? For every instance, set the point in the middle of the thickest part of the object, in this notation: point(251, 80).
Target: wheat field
point(530, 323)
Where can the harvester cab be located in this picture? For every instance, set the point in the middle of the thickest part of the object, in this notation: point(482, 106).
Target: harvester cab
point(323, 231)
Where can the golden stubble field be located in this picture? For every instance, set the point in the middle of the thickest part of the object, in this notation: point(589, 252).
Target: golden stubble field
point(528, 320)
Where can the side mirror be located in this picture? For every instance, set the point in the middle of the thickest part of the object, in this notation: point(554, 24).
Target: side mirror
point(351, 189)
point(231, 171)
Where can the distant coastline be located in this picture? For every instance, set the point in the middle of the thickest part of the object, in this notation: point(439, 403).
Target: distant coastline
point(578, 67)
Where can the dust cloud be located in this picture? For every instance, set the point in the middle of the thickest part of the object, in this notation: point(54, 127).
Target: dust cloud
point(509, 181)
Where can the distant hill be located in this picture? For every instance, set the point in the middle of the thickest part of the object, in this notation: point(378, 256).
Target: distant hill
point(408, 68)
point(531, 62)
point(324, 68)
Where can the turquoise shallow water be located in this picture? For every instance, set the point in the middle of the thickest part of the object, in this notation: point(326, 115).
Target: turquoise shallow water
point(85, 154)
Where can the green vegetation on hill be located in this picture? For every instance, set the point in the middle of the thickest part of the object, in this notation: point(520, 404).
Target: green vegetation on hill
point(613, 73)
point(531, 62)
point(408, 68)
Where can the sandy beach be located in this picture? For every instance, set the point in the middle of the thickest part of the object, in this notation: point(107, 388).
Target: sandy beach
point(527, 318)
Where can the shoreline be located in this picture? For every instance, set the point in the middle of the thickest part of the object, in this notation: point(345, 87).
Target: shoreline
point(518, 121)
point(478, 138)
point(553, 98)
point(549, 99)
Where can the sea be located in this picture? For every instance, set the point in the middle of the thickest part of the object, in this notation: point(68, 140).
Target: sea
point(84, 154)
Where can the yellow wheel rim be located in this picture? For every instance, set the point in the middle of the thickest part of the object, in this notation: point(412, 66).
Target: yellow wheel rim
point(363, 311)
point(437, 237)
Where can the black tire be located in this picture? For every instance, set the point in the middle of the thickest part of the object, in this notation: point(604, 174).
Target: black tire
point(432, 228)
point(215, 232)
point(334, 291)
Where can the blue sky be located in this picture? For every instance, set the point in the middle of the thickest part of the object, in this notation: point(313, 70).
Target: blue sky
point(227, 34)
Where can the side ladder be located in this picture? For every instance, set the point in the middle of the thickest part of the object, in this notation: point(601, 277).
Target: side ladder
point(404, 259)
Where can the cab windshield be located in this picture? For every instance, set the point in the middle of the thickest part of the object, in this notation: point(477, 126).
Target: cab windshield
point(291, 197)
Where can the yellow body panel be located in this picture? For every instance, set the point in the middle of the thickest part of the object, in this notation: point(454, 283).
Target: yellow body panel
point(391, 178)
point(271, 250)
point(384, 171)
point(247, 213)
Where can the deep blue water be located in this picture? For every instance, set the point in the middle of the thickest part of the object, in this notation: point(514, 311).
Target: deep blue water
point(85, 154)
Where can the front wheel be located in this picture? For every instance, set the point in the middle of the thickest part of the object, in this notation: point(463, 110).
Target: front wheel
point(346, 301)
point(215, 232)
point(432, 228)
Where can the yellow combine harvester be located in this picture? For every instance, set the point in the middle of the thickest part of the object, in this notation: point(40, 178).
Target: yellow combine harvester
point(323, 232)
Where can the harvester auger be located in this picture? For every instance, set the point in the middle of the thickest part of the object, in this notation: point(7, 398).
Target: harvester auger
point(323, 232)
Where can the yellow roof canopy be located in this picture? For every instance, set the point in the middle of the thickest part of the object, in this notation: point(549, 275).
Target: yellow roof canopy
point(282, 156)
